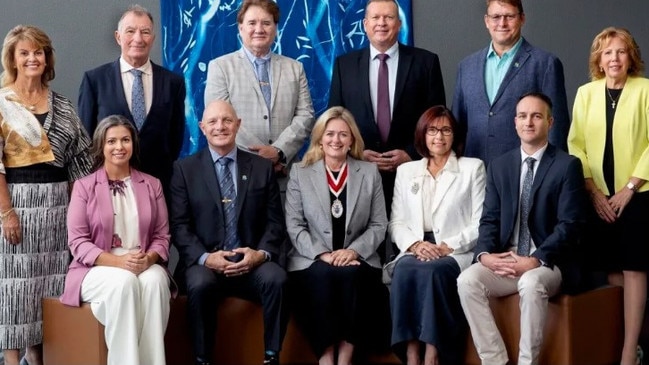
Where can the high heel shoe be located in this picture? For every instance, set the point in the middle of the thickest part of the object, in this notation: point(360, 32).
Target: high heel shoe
point(639, 356)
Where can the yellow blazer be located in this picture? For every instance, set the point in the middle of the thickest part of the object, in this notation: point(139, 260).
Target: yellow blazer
point(587, 135)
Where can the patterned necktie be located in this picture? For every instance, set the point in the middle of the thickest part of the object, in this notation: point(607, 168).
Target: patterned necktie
point(228, 198)
point(261, 66)
point(138, 108)
point(383, 99)
point(524, 230)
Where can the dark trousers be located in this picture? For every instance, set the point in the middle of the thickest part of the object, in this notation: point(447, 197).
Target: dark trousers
point(426, 307)
point(331, 303)
point(265, 284)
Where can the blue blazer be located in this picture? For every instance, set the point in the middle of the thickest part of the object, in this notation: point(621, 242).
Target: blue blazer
point(558, 203)
point(197, 217)
point(102, 94)
point(489, 128)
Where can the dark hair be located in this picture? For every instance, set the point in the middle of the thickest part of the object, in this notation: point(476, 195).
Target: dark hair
point(270, 6)
point(518, 4)
point(541, 96)
point(39, 39)
point(99, 139)
point(429, 117)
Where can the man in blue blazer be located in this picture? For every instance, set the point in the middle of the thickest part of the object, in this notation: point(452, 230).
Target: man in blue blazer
point(107, 90)
point(533, 211)
point(490, 81)
point(219, 259)
point(415, 84)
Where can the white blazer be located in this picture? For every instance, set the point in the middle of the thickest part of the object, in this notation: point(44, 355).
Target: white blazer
point(456, 209)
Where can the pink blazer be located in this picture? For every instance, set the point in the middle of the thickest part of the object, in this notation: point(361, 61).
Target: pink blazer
point(90, 224)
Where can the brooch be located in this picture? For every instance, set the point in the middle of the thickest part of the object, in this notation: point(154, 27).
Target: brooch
point(414, 188)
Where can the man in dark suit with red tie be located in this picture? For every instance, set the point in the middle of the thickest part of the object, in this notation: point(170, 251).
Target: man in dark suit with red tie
point(387, 87)
point(152, 97)
point(228, 236)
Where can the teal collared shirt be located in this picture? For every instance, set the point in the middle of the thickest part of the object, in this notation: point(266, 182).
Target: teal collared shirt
point(496, 68)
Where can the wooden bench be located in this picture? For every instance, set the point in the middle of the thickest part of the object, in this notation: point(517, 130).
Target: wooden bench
point(585, 329)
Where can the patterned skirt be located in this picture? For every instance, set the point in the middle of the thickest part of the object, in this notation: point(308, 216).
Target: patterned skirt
point(36, 267)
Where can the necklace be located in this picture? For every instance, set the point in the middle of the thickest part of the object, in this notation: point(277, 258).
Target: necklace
point(336, 186)
point(29, 103)
point(613, 101)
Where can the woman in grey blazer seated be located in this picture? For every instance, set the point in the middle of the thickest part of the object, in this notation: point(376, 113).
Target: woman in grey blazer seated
point(435, 215)
point(335, 217)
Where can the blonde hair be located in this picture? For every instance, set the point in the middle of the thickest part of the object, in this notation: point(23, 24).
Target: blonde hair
point(636, 65)
point(39, 39)
point(314, 153)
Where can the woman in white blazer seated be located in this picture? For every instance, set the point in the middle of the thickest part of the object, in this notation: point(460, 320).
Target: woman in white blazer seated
point(435, 216)
point(335, 217)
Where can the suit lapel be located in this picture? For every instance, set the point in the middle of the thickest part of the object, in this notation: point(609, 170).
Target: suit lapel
point(405, 61)
point(544, 165)
point(276, 75)
point(519, 60)
point(317, 177)
point(364, 80)
point(102, 194)
point(354, 183)
point(513, 176)
point(209, 177)
point(244, 168)
point(249, 73)
point(118, 87)
point(143, 206)
point(445, 181)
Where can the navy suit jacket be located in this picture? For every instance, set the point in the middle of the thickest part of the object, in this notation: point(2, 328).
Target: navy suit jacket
point(161, 138)
point(489, 128)
point(558, 203)
point(197, 217)
point(419, 86)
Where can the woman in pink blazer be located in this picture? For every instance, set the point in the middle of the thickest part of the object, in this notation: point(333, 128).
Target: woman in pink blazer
point(118, 234)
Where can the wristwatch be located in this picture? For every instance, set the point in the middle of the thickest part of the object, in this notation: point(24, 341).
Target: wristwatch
point(280, 155)
point(631, 186)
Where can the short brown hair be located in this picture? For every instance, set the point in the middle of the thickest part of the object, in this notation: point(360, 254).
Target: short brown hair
point(430, 116)
point(636, 66)
point(315, 153)
point(268, 5)
point(518, 4)
point(39, 39)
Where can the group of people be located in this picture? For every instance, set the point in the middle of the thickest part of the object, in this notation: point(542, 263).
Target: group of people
point(488, 198)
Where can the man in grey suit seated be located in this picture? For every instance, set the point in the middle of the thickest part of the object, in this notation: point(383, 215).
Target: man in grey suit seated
point(269, 91)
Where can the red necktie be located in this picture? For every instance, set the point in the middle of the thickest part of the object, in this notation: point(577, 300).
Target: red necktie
point(383, 117)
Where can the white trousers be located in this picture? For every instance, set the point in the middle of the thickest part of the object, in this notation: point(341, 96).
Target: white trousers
point(477, 283)
point(134, 310)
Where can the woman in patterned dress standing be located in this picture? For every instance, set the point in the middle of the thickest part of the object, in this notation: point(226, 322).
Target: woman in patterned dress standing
point(43, 148)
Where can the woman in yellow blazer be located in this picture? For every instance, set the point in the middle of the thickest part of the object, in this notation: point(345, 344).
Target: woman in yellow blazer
point(610, 134)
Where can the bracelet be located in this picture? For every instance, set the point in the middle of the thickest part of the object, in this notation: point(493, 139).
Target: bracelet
point(6, 213)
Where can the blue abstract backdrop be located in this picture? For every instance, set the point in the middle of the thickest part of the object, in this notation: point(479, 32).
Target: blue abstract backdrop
point(314, 32)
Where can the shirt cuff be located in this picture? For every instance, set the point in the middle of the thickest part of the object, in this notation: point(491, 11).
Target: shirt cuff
point(203, 258)
point(267, 255)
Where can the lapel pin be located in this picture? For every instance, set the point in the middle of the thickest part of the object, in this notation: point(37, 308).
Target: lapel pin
point(414, 188)
point(516, 65)
point(244, 177)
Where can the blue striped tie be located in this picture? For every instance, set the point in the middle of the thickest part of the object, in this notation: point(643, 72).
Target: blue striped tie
point(524, 230)
point(228, 198)
point(138, 108)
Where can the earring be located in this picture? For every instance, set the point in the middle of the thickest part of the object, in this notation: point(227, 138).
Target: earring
point(601, 69)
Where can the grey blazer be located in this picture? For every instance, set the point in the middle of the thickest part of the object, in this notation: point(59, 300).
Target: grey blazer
point(308, 213)
point(232, 77)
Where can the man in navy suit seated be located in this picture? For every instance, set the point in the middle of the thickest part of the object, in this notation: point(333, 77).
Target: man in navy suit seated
point(533, 211)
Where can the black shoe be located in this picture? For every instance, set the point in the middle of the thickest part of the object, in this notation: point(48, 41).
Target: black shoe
point(202, 362)
point(271, 360)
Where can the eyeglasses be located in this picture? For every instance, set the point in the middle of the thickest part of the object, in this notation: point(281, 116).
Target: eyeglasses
point(496, 18)
point(432, 131)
